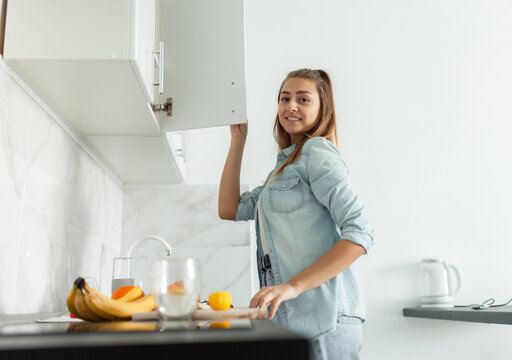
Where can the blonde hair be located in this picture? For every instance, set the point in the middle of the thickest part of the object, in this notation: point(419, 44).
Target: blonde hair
point(326, 125)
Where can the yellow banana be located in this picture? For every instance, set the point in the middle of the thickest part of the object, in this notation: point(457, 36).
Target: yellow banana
point(114, 309)
point(70, 301)
point(133, 294)
point(97, 309)
point(84, 312)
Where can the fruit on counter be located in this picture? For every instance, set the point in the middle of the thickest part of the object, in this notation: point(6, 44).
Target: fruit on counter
point(114, 309)
point(176, 288)
point(90, 304)
point(220, 325)
point(128, 293)
point(70, 302)
point(220, 300)
point(83, 309)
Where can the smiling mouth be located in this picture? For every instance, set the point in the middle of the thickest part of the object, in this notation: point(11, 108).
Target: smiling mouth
point(292, 118)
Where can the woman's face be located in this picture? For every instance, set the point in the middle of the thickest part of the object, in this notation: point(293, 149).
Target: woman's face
point(299, 107)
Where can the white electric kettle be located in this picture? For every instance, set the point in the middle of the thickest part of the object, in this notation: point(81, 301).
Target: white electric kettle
point(439, 282)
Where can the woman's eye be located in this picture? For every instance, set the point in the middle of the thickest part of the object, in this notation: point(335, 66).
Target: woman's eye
point(304, 100)
point(284, 99)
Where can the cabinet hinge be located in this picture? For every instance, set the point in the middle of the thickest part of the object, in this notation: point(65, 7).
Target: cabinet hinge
point(167, 107)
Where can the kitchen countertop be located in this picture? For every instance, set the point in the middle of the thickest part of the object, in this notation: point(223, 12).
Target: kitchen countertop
point(22, 338)
point(496, 315)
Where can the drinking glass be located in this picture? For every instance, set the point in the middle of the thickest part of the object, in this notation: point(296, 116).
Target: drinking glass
point(176, 287)
point(122, 273)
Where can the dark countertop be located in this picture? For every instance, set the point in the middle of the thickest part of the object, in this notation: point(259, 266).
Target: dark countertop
point(496, 315)
point(22, 338)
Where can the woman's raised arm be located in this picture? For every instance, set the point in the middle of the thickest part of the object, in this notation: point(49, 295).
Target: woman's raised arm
point(229, 190)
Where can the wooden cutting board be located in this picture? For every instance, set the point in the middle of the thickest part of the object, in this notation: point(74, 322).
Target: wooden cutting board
point(234, 313)
point(209, 314)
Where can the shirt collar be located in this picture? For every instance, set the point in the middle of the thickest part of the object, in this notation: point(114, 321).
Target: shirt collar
point(286, 152)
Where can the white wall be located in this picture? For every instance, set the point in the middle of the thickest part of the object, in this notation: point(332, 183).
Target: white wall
point(424, 104)
point(60, 212)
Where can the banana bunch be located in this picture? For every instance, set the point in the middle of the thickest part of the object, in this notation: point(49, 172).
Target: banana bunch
point(89, 304)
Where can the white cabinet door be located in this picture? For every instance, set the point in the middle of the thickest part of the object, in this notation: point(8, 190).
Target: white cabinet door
point(143, 35)
point(204, 63)
point(67, 29)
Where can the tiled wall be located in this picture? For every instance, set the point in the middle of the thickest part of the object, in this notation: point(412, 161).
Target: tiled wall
point(60, 213)
point(63, 216)
point(186, 217)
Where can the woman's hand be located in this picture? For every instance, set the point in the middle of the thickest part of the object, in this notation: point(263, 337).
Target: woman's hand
point(238, 132)
point(274, 295)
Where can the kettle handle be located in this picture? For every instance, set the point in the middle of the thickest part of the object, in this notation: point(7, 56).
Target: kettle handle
point(455, 271)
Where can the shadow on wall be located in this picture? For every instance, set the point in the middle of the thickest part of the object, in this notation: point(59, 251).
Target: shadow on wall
point(394, 288)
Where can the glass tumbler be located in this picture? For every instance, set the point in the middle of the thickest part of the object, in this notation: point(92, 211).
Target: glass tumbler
point(122, 273)
point(176, 287)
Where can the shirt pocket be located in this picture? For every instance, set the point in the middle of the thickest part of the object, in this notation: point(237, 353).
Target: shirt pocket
point(286, 195)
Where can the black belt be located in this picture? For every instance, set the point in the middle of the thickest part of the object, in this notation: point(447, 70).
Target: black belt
point(264, 263)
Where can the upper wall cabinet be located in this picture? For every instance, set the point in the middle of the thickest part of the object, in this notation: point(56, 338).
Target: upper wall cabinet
point(128, 71)
point(204, 71)
point(82, 58)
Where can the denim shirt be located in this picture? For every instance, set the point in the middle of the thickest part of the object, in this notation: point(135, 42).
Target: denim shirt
point(305, 211)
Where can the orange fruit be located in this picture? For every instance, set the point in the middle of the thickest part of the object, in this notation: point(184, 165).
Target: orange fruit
point(220, 325)
point(220, 300)
point(176, 288)
point(119, 293)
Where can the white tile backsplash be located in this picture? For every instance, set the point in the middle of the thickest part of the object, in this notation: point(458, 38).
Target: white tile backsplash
point(11, 212)
point(186, 217)
point(60, 212)
point(43, 279)
point(15, 109)
point(62, 216)
point(85, 253)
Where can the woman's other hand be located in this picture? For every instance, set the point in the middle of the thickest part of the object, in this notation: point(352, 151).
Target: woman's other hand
point(274, 295)
point(238, 132)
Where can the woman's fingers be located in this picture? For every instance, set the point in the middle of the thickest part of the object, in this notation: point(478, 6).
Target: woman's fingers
point(255, 299)
point(260, 298)
point(265, 297)
point(275, 305)
point(265, 301)
point(272, 295)
point(238, 130)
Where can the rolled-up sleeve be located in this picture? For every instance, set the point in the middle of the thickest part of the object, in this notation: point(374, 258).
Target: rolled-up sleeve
point(247, 204)
point(330, 182)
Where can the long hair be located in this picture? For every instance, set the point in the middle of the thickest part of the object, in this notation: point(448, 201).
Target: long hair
point(326, 125)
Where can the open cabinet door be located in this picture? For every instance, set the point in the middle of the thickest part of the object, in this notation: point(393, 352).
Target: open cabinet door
point(204, 67)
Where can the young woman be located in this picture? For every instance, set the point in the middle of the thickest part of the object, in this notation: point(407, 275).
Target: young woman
point(310, 224)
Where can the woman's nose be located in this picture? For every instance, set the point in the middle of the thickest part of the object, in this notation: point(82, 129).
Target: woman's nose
point(292, 105)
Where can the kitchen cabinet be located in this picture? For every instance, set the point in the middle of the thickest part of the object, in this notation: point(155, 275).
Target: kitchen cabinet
point(204, 70)
point(124, 73)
